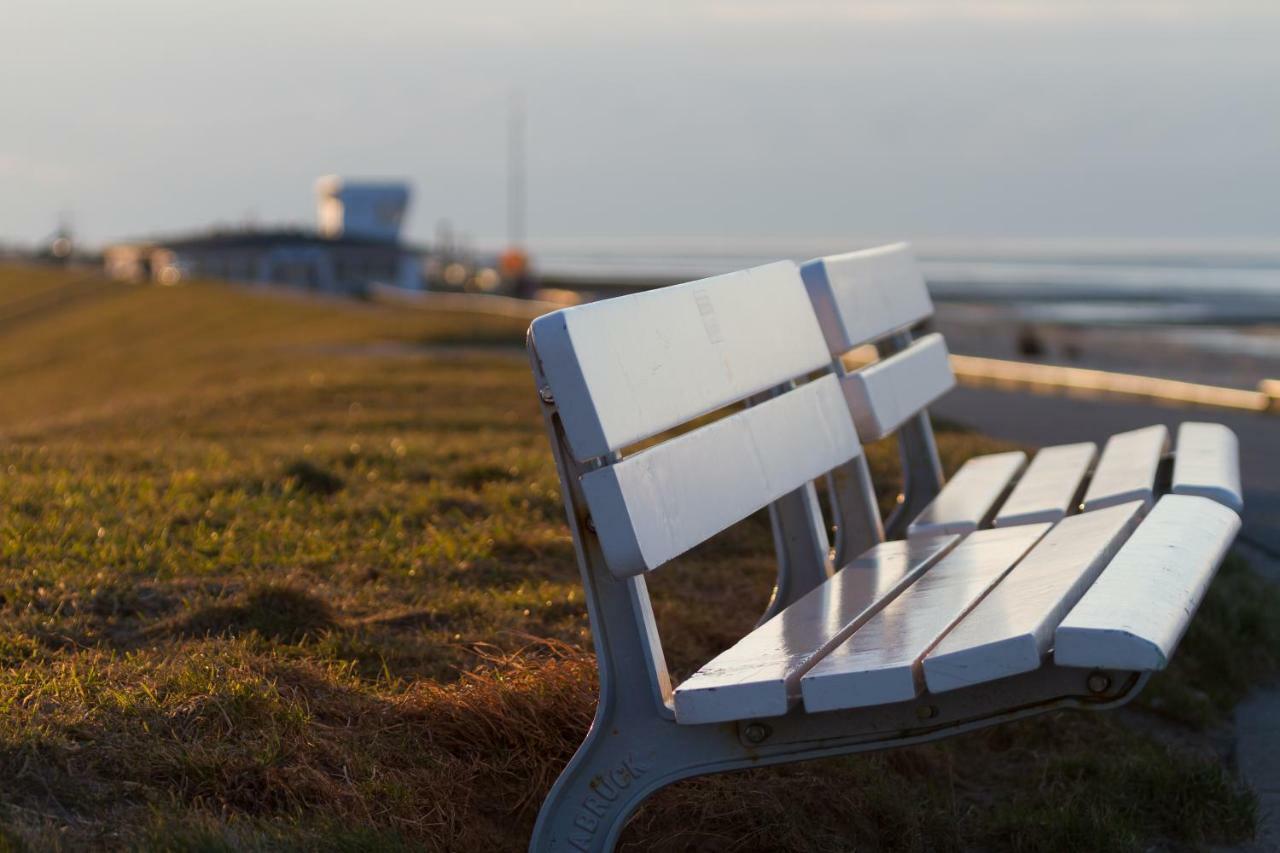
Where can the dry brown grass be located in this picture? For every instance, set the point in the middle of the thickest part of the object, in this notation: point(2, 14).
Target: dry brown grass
point(286, 574)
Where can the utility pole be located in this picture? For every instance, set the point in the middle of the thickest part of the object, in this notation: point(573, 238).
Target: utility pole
point(515, 172)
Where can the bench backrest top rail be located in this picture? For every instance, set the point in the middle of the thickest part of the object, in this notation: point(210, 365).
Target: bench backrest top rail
point(867, 295)
point(626, 369)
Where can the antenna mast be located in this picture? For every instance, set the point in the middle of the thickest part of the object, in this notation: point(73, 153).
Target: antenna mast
point(515, 172)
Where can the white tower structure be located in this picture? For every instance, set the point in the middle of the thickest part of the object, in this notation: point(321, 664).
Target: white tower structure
point(372, 210)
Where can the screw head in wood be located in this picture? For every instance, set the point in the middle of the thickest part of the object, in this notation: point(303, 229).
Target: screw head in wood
point(1099, 682)
point(755, 733)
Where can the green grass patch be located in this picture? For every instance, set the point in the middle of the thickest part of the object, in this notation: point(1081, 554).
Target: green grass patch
point(279, 573)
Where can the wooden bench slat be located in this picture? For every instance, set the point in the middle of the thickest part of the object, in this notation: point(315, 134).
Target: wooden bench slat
point(1051, 482)
point(880, 663)
point(662, 501)
point(867, 295)
point(624, 369)
point(970, 497)
point(1127, 470)
point(1136, 612)
point(1207, 463)
point(760, 675)
point(886, 394)
point(1011, 630)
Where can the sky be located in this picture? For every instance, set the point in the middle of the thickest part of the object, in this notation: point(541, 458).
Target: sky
point(689, 122)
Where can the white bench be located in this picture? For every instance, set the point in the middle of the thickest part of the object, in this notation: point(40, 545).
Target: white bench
point(1018, 589)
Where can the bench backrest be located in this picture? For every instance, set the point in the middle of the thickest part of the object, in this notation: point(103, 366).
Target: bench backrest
point(625, 370)
point(867, 297)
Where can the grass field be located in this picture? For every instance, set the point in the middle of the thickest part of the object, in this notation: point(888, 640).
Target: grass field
point(279, 573)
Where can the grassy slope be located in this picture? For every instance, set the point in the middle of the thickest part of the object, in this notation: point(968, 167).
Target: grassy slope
point(278, 573)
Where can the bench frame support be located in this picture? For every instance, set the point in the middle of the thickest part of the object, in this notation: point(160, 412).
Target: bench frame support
point(635, 746)
point(921, 468)
point(800, 539)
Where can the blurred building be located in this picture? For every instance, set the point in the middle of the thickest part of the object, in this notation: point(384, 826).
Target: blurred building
point(364, 209)
point(357, 244)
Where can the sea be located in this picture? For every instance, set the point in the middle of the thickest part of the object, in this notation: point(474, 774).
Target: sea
point(1077, 282)
point(1214, 303)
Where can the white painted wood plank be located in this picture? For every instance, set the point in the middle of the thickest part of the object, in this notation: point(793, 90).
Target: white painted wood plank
point(1050, 484)
point(971, 495)
point(625, 369)
point(1127, 470)
point(760, 675)
point(884, 395)
point(1011, 630)
point(1207, 463)
point(880, 663)
point(1136, 612)
point(863, 296)
point(660, 502)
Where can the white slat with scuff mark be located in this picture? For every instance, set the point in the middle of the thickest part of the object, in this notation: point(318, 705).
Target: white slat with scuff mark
point(760, 675)
point(1136, 612)
point(880, 663)
point(1011, 630)
point(1207, 463)
point(971, 495)
point(1050, 484)
point(1127, 470)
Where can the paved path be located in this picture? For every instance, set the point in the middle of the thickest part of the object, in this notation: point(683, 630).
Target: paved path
point(1258, 754)
point(1035, 419)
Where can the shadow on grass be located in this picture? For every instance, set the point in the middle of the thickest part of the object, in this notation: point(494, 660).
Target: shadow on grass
point(276, 612)
point(298, 477)
point(309, 477)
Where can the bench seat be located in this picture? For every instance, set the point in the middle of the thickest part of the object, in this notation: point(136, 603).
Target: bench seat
point(1011, 565)
point(1110, 589)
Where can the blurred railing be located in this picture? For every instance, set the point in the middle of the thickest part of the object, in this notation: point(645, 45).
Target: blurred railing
point(470, 303)
point(1082, 382)
point(1077, 381)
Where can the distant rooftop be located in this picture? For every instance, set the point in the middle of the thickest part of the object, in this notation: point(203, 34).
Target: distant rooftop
point(257, 237)
point(348, 213)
